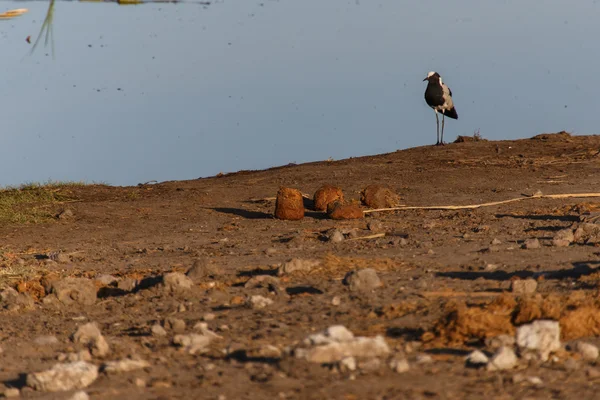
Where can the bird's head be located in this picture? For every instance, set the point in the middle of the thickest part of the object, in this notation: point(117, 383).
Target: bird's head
point(432, 76)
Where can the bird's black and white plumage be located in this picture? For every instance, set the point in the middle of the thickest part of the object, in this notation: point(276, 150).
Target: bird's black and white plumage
point(439, 97)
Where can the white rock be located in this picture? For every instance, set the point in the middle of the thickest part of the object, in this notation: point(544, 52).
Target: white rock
point(46, 340)
point(125, 365)
point(12, 392)
point(195, 343)
point(588, 351)
point(158, 330)
point(203, 328)
point(399, 365)
point(533, 243)
point(504, 358)
point(563, 238)
point(176, 282)
point(61, 377)
point(358, 347)
point(89, 335)
point(423, 359)
point(257, 302)
point(362, 280)
point(336, 236)
point(336, 301)
point(348, 363)
point(80, 395)
point(542, 336)
point(335, 333)
point(524, 286)
point(477, 358)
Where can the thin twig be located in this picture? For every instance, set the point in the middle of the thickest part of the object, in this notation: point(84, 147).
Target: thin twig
point(375, 236)
point(493, 203)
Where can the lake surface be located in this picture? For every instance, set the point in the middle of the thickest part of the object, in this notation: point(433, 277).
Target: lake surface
point(180, 91)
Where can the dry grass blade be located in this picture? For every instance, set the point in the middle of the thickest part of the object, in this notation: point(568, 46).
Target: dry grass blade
point(490, 204)
point(375, 236)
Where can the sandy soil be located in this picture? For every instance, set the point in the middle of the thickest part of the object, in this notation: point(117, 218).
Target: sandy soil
point(431, 262)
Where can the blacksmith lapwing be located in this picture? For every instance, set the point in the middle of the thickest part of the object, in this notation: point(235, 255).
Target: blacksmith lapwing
point(439, 97)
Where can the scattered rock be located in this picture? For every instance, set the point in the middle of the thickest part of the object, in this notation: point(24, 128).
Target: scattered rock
point(257, 302)
point(504, 358)
point(563, 238)
point(524, 286)
point(336, 236)
point(71, 291)
point(325, 195)
point(587, 233)
point(337, 343)
point(176, 282)
point(80, 395)
point(377, 196)
point(208, 317)
point(271, 282)
point(62, 377)
point(46, 340)
point(203, 328)
point(496, 242)
point(542, 336)
point(266, 351)
point(202, 269)
point(339, 210)
point(193, 343)
point(158, 330)
point(175, 324)
point(12, 300)
point(593, 373)
point(297, 264)
point(83, 355)
point(375, 226)
point(105, 279)
point(11, 392)
point(588, 351)
point(348, 364)
point(124, 365)
point(399, 365)
point(423, 359)
point(477, 359)
point(89, 335)
point(336, 301)
point(362, 280)
point(370, 364)
point(494, 343)
point(532, 243)
point(127, 284)
point(65, 214)
point(289, 204)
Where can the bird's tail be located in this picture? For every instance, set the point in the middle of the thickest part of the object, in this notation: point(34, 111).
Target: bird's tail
point(451, 113)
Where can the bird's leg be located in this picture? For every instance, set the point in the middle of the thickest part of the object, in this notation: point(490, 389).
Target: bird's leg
point(442, 141)
point(437, 124)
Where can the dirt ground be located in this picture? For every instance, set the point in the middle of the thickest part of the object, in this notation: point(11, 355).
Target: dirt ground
point(432, 263)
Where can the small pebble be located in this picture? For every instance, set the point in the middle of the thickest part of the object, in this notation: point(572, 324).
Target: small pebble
point(533, 243)
point(524, 286)
point(336, 301)
point(336, 236)
point(158, 330)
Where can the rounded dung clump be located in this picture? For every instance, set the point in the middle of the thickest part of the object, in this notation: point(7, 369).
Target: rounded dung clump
point(325, 195)
point(377, 196)
point(339, 210)
point(289, 204)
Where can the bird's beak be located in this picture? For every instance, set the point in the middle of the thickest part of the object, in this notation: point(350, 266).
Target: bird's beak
point(425, 79)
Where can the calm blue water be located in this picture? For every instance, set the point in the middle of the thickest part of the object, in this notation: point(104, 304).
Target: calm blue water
point(180, 91)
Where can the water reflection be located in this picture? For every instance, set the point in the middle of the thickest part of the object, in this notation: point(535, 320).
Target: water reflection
point(182, 90)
